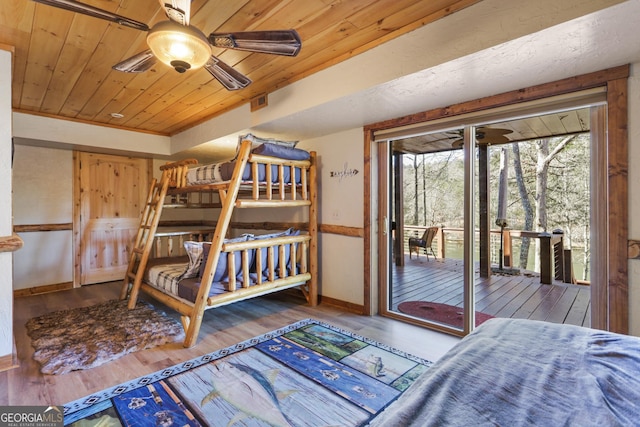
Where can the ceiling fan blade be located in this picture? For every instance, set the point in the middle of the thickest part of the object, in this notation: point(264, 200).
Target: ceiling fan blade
point(85, 9)
point(278, 42)
point(492, 132)
point(498, 139)
point(230, 78)
point(485, 140)
point(137, 63)
point(177, 10)
point(484, 136)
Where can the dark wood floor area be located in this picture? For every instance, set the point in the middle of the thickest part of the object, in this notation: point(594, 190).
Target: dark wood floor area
point(514, 296)
point(221, 327)
point(440, 281)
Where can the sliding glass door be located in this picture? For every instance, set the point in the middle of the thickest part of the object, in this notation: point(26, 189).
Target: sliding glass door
point(431, 207)
point(485, 221)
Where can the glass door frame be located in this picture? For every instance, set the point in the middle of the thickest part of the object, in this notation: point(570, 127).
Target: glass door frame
point(386, 245)
point(610, 170)
point(468, 263)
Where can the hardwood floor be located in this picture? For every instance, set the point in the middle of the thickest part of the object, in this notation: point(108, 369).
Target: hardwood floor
point(222, 327)
point(521, 296)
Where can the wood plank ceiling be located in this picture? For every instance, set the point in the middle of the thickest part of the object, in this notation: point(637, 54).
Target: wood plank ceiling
point(562, 123)
point(62, 60)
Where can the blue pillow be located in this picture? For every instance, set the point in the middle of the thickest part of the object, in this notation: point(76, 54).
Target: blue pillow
point(263, 253)
point(226, 170)
point(282, 152)
point(221, 273)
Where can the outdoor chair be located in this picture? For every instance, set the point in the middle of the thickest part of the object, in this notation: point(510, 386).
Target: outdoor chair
point(424, 242)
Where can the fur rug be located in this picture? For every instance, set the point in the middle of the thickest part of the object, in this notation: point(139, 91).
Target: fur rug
point(87, 337)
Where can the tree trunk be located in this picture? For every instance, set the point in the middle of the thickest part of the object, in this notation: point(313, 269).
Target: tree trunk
point(544, 159)
point(542, 170)
point(424, 193)
point(587, 240)
point(526, 206)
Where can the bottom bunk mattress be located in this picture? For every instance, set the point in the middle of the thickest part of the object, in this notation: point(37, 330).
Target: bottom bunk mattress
point(514, 372)
point(181, 276)
point(168, 275)
point(169, 279)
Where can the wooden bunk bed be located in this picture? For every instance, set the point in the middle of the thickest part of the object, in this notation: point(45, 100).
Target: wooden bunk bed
point(252, 265)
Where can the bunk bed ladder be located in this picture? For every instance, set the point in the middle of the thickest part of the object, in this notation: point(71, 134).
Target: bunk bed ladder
point(144, 239)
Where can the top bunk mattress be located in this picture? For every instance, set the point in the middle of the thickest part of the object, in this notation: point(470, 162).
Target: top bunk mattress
point(222, 172)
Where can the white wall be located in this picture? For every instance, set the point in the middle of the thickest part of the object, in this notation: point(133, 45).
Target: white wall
point(6, 280)
point(341, 195)
point(83, 136)
point(46, 257)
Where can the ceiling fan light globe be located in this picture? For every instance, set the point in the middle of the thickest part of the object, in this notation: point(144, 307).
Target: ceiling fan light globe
point(172, 42)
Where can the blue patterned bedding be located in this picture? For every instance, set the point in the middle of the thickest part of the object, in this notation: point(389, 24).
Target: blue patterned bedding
point(182, 276)
point(222, 172)
point(513, 372)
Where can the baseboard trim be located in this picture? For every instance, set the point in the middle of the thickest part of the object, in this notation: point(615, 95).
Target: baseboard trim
point(344, 305)
point(42, 289)
point(9, 361)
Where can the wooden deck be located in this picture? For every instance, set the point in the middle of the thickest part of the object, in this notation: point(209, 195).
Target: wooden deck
point(513, 296)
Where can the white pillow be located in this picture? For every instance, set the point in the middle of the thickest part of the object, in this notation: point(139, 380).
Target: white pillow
point(194, 250)
point(256, 141)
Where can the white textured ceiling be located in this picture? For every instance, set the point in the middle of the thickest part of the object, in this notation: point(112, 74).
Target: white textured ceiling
point(594, 42)
point(375, 86)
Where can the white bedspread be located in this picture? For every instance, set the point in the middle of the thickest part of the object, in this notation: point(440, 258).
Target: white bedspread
point(513, 372)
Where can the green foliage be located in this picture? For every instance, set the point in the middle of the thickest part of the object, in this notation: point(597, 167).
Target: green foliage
point(434, 188)
point(440, 189)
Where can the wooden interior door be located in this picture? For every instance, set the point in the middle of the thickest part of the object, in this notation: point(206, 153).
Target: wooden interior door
point(112, 193)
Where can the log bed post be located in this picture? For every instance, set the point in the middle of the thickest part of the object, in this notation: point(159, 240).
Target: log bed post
point(313, 231)
point(195, 319)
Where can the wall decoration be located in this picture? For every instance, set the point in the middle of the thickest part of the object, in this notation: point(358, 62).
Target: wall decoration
point(344, 173)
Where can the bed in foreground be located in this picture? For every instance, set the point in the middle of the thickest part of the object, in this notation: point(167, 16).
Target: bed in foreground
point(513, 372)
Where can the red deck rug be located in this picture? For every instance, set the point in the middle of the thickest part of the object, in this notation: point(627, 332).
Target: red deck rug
point(440, 313)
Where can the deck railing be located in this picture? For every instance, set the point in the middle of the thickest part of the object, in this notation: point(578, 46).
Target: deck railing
point(555, 259)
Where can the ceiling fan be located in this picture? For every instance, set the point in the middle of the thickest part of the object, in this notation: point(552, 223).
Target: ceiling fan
point(184, 47)
point(484, 136)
